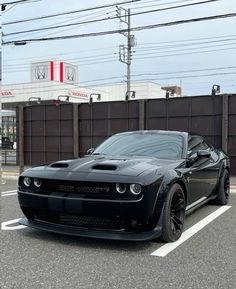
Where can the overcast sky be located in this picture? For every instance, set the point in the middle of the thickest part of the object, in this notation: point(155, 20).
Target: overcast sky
point(167, 55)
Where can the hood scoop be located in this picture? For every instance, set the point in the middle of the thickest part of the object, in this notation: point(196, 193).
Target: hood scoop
point(59, 165)
point(103, 167)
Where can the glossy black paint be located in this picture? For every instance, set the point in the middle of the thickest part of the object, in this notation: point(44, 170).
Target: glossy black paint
point(136, 217)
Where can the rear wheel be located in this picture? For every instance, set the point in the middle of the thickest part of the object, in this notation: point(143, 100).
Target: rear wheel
point(173, 214)
point(223, 190)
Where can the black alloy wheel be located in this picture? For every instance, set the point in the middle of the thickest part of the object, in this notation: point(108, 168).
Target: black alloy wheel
point(223, 193)
point(227, 188)
point(173, 214)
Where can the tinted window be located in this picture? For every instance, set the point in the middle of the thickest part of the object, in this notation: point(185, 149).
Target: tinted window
point(143, 144)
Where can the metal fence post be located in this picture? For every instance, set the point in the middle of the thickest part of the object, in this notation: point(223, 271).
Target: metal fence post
point(76, 130)
point(141, 114)
point(21, 139)
point(225, 121)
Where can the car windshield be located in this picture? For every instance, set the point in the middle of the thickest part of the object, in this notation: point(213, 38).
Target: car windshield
point(167, 146)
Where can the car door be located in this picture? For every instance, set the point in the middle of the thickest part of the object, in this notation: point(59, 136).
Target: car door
point(202, 174)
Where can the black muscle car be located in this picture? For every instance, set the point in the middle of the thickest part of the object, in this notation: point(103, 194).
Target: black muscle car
point(134, 186)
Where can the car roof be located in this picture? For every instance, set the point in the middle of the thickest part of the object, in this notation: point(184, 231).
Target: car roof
point(185, 134)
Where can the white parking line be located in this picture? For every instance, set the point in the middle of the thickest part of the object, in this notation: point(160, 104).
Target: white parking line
point(7, 226)
point(9, 193)
point(6, 192)
point(167, 248)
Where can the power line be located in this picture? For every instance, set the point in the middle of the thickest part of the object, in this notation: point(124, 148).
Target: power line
point(71, 12)
point(107, 59)
point(110, 32)
point(109, 47)
point(160, 4)
point(153, 74)
point(183, 44)
point(108, 18)
point(61, 54)
point(86, 17)
point(15, 2)
point(24, 90)
point(187, 53)
point(170, 49)
point(193, 76)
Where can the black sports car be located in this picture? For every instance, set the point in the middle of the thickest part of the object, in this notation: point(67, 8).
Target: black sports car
point(134, 186)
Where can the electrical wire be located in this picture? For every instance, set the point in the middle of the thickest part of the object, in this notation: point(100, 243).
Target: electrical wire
point(163, 73)
point(41, 90)
point(70, 12)
point(170, 49)
point(53, 33)
point(97, 59)
point(108, 18)
point(110, 32)
point(209, 40)
point(186, 53)
point(16, 2)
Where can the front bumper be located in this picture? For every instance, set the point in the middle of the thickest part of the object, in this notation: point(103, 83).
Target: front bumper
point(46, 212)
point(89, 233)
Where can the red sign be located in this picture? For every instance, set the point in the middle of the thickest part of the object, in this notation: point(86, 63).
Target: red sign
point(79, 94)
point(6, 93)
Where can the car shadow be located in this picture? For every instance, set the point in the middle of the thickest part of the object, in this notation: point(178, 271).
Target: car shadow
point(89, 243)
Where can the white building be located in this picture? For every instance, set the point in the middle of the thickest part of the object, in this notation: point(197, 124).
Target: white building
point(53, 80)
point(52, 90)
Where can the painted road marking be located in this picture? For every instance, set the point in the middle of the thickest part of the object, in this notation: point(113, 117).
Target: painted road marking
point(9, 193)
point(167, 248)
point(6, 192)
point(11, 225)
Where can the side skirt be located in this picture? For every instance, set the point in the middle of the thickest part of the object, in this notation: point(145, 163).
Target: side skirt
point(193, 207)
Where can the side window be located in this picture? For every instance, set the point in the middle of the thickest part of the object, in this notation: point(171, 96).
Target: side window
point(205, 146)
point(196, 143)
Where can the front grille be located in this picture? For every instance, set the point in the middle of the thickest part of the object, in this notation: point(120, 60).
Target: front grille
point(91, 222)
point(90, 188)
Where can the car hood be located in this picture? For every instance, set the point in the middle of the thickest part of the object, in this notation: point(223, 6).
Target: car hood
point(105, 168)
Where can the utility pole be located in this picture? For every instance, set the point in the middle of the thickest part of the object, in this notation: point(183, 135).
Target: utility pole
point(129, 55)
point(125, 52)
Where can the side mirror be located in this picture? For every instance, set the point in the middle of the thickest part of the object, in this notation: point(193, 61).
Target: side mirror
point(90, 151)
point(203, 154)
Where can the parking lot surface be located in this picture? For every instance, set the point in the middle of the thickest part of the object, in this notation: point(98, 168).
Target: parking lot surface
point(36, 259)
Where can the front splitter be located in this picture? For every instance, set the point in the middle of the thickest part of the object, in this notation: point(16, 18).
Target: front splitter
point(89, 233)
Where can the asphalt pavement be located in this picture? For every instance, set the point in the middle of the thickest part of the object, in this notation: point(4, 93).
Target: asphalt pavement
point(36, 259)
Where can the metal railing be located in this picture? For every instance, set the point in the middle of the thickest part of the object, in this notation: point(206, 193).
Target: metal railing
point(8, 157)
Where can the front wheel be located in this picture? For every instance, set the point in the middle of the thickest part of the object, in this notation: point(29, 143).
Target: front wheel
point(173, 214)
point(222, 197)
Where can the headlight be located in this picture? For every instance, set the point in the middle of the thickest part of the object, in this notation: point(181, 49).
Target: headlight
point(27, 181)
point(37, 183)
point(135, 189)
point(121, 188)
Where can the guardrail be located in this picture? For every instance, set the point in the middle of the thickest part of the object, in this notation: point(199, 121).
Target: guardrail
point(8, 157)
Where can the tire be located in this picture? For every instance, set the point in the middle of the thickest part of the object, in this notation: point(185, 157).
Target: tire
point(173, 214)
point(222, 197)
